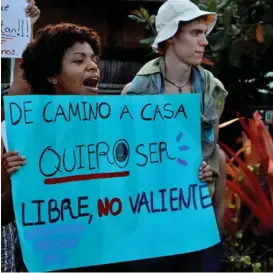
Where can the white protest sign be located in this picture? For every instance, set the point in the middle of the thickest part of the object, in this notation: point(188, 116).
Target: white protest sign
point(15, 28)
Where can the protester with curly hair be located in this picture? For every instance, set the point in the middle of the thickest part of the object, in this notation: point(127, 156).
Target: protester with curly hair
point(62, 60)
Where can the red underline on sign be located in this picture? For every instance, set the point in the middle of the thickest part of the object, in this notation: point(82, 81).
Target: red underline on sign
point(84, 177)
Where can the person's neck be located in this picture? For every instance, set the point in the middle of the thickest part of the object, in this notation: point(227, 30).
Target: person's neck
point(176, 71)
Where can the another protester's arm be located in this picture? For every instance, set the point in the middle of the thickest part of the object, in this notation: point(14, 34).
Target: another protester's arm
point(7, 214)
point(19, 85)
point(11, 162)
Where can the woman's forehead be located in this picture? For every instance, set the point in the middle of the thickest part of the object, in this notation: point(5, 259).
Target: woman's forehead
point(80, 48)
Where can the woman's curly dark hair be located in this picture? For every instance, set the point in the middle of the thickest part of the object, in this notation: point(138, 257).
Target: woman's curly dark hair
point(43, 57)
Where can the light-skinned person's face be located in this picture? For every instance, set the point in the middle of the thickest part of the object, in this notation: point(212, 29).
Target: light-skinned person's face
point(189, 42)
point(80, 73)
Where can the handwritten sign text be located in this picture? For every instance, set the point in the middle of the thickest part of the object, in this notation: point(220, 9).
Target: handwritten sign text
point(114, 176)
point(15, 28)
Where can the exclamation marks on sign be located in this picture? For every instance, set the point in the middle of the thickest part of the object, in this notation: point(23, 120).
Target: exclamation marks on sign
point(22, 28)
point(19, 26)
point(26, 26)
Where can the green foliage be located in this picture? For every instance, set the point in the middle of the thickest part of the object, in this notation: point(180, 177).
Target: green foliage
point(248, 242)
point(243, 35)
point(142, 16)
point(241, 255)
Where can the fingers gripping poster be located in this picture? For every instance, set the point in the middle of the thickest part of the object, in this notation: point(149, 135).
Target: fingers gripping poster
point(15, 28)
point(108, 179)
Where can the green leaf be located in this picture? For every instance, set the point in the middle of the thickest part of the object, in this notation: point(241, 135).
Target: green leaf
point(144, 13)
point(135, 18)
point(223, 4)
point(234, 30)
point(196, 2)
point(202, 6)
point(254, 5)
point(227, 16)
point(136, 13)
point(212, 5)
point(219, 40)
point(148, 41)
point(152, 19)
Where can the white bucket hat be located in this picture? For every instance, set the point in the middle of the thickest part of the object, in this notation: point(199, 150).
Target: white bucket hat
point(171, 13)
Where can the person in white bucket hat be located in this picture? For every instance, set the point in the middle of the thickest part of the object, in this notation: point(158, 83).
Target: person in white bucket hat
point(172, 12)
point(181, 41)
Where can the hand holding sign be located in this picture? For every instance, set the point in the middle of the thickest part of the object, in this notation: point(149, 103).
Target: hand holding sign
point(32, 11)
point(12, 162)
point(205, 172)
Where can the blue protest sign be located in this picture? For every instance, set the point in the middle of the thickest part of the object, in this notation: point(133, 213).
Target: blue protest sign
point(108, 179)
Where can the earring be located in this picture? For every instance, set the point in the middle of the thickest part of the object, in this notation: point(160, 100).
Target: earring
point(54, 81)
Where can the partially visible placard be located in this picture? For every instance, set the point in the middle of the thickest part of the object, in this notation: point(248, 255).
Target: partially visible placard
point(4, 135)
point(15, 28)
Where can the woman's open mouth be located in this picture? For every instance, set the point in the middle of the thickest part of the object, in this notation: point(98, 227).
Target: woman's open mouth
point(91, 84)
